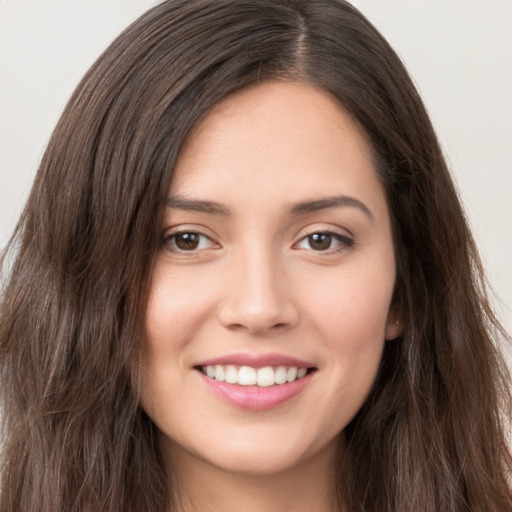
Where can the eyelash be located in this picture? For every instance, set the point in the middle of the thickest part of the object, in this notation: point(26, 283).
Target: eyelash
point(171, 239)
point(344, 242)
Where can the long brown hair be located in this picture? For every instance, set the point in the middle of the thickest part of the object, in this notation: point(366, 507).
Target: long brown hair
point(432, 434)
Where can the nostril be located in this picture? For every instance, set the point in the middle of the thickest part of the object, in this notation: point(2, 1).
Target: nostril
point(257, 315)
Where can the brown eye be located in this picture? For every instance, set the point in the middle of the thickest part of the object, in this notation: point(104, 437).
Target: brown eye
point(187, 241)
point(320, 241)
point(325, 241)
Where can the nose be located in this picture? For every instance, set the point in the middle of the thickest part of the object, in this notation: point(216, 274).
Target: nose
point(258, 298)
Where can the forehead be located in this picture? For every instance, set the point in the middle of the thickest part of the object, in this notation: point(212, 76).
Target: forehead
point(275, 139)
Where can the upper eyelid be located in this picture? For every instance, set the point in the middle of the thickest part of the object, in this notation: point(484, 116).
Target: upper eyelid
point(310, 230)
point(171, 233)
point(176, 230)
point(345, 238)
point(334, 234)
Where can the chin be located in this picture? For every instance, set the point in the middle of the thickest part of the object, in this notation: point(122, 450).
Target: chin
point(256, 453)
point(254, 461)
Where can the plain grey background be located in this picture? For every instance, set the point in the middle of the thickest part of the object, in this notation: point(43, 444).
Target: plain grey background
point(459, 53)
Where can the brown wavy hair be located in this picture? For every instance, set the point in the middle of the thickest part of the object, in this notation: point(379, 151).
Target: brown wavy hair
point(431, 436)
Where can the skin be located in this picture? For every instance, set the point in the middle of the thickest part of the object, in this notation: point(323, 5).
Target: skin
point(257, 284)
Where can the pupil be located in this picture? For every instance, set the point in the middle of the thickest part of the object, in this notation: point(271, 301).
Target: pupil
point(320, 241)
point(187, 241)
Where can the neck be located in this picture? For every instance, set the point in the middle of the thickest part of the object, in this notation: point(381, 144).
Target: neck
point(309, 486)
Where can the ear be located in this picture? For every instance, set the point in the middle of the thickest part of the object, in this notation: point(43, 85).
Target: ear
point(394, 326)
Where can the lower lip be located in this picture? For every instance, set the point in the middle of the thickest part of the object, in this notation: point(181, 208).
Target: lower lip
point(256, 398)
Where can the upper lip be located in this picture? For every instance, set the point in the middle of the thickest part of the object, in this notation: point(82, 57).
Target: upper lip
point(256, 361)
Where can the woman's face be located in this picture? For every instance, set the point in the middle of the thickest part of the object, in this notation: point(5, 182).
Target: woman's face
point(276, 260)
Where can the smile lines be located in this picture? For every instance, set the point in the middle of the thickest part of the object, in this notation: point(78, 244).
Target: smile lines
point(249, 376)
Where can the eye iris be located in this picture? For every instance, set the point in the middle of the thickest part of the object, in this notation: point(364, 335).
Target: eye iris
point(320, 241)
point(187, 241)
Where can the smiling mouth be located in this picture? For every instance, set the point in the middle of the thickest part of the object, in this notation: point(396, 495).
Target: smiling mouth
point(260, 377)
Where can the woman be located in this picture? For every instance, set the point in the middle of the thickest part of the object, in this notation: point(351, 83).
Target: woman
point(244, 281)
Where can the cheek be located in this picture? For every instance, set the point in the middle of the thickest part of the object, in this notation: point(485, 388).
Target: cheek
point(178, 305)
point(355, 337)
point(355, 306)
point(352, 318)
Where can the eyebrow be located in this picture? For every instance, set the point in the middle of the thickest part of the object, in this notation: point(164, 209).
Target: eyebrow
point(194, 205)
point(328, 203)
point(295, 209)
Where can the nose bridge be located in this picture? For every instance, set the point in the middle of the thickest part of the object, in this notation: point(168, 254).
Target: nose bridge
point(257, 299)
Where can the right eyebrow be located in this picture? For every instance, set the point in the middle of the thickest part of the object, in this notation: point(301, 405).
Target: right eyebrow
point(196, 205)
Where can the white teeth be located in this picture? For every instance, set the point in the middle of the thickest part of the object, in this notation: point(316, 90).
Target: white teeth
point(219, 372)
point(280, 375)
point(291, 374)
point(231, 375)
point(265, 376)
point(248, 376)
point(301, 372)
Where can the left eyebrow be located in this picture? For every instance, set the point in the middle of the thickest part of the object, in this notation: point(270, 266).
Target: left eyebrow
point(327, 203)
